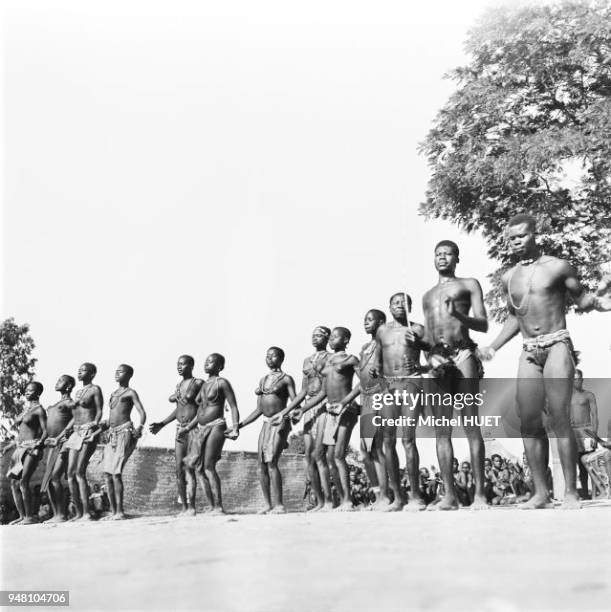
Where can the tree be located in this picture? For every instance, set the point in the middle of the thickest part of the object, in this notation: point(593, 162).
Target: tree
point(529, 130)
point(16, 365)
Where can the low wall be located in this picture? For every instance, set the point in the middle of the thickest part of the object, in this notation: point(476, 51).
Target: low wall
point(150, 481)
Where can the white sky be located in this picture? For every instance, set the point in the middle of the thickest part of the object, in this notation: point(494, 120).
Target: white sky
point(196, 177)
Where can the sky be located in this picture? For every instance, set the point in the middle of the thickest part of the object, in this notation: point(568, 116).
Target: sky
point(197, 177)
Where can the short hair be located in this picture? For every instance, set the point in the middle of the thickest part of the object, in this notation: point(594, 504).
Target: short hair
point(70, 380)
point(344, 331)
point(402, 294)
point(219, 359)
point(377, 314)
point(188, 359)
point(529, 220)
point(278, 350)
point(496, 455)
point(129, 369)
point(448, 243)
point(91, 367)
point(38, 386)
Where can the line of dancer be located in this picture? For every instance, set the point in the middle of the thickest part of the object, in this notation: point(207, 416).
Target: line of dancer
point(537, 288)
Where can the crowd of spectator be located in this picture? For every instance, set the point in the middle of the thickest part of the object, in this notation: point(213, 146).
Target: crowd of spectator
point(506, 482)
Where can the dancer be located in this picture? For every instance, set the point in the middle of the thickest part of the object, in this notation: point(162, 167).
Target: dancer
point(583, 416)
point(336, 423)
point(185, 396)
point(537, 289)
point(59, 422)
point(206, 443)
point(372, 440)
point(398, 364)
point(87, 412)
point(455, 364)
point(122, 437)
point(32, 423)
point(273, 392)
point(310, 385)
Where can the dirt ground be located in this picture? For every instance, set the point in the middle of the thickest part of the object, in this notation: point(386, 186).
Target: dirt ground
point(499, 560)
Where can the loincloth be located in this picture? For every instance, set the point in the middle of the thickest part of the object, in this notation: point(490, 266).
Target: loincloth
point(54, 451)
point(82, 434)
point(311, 418)
point(369, 431)
point(538, 348)
point(120, 446)
point(196, 445)
point(444, 359)
point(585, 444)
point(269, 435)
point(330, 423)
point(25, 447)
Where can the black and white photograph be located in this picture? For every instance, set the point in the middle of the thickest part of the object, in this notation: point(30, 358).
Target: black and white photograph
point(305, 306)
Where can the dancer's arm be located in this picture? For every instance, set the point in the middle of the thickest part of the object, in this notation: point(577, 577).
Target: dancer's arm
point(154, 428)
point(479, 321)
point(233, 406)
point(140, 410)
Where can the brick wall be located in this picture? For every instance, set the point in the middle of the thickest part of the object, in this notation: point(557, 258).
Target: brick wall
point(150, 482)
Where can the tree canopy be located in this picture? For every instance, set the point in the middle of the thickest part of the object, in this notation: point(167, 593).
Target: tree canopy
point(16, 365)
point(528, 129)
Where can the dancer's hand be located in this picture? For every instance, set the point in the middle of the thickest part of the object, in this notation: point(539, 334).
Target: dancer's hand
point(374, 372)
point(486, 353)
point(296, 415)
point(450, 306)
point(334, 408)
point(277, 419)
point(155, 428)
point(410, 336)
point(138, 432)
point(232, 434)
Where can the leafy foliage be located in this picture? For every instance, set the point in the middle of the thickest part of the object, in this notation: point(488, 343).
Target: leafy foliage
point(529, 130)
point(16, 365)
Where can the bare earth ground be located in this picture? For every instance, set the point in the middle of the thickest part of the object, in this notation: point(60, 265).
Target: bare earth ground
point(500, 560)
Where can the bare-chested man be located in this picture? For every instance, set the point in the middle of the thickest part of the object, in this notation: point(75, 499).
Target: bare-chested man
point(59, 422)
point(32, 423)
point(336, 423)
point(372, 441)
point(87, 412)
point(311, 384)
point(537, 288)
point(455, 364)
point(122, 437)
point(398, 364)
point(273, 393)
point(209, 429)
point(583, 416)
point(185, 398)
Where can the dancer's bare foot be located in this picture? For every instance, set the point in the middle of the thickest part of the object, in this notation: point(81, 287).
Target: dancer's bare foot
point(536, 502)
point(327, 507)
point(279, 509)
point(120, 516)
point(396, 506)
point(479, 503)
point(85, 518)
point(217, 511)
point(265, 510)
point(58, 518)
point(345, 507)
point(29, 520)
point(414, 505)
point(316, 508)
point(445, 504)
point(571, 502)
point(16, 521)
